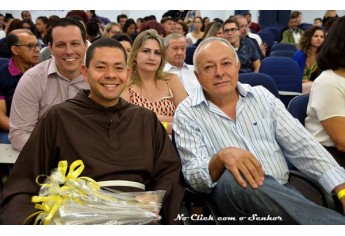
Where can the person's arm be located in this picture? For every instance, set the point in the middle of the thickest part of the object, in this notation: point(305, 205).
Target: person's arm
point(329, 106)
point(335, 127)
point(35, 159)
point(285, 37)
point(24, 111)
point(4, 122)
point(200, 169)
point(302, 149)
point(179, 94)
point(256, 65)
point(167, 170)
point(177, 89)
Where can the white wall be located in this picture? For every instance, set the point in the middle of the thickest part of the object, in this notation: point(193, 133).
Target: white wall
point(308, 15)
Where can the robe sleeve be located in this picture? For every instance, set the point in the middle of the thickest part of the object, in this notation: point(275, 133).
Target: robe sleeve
point(167, 170)
point(35, 159)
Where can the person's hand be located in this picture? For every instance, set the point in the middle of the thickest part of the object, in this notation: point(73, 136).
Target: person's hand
point(263, 48)
point(242, 163)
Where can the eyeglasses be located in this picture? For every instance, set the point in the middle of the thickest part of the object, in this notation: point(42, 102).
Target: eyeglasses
point(30, 46)
point(114, 31)
point(232, 30)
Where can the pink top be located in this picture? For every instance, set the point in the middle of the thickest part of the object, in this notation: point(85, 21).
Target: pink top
point(164, 106)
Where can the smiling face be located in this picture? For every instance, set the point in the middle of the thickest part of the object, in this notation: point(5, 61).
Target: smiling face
point(107, 75)
point(69, 49)
point(217, 70)
point(149, 56)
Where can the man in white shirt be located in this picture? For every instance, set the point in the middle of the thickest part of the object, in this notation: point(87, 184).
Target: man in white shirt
point(176, 45)
point(234, 139)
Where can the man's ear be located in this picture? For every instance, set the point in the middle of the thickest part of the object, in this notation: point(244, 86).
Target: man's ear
point(50, 48)
point(14, 50)
point(129, 72)
point(238, 66)
point(84, 71)
point(196, 74)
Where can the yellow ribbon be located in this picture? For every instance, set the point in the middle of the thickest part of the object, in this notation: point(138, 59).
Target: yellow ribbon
point(56, 195)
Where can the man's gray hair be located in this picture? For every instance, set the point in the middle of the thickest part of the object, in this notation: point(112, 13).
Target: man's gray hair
point(208, 40)
point(172, 36)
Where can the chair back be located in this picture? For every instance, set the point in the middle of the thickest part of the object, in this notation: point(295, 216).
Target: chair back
point(284, 71)
point(283, 46)
point(255, 79)
point(282, 53)
point(277, 31)
point(298, 107)
point(305, 26)
point(189, 55)
point(4, 60)
point(268, 38)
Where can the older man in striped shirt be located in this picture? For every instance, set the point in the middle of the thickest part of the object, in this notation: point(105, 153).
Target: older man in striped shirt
point(234, 140)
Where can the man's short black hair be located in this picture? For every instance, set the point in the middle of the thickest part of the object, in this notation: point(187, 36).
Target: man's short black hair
point(103, 42)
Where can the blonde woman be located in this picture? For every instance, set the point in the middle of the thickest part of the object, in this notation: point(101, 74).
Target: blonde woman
point(149, 86)
point(111, 29)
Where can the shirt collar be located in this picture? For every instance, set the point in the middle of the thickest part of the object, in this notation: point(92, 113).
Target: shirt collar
point(13, 69)
point(169, 66)
point(198, 96)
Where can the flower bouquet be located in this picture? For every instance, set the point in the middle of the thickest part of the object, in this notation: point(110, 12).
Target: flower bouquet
point(70, 199)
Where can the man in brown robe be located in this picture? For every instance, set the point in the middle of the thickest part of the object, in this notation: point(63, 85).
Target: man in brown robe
point(115, 140)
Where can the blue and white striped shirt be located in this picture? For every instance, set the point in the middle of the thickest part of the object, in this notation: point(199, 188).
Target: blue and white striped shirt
point(263, 126)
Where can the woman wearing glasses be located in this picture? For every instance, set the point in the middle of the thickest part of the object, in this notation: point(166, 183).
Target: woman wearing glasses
point(111, 29)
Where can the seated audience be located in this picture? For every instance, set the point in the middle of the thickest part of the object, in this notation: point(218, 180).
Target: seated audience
point(114, 139)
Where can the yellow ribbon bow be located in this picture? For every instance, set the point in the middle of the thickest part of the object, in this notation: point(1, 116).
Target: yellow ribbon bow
point(52, 195)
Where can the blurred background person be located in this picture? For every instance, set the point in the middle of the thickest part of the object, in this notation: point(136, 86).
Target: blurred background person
point(196, 33)
point(126, 42)
point(41, 26)
point(310, 42)
point(111, 29)
point(24, 49)
point(26, 15)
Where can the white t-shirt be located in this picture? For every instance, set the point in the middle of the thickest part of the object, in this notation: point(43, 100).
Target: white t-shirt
point(327, 100)
point(2, 34)
point(186, 75)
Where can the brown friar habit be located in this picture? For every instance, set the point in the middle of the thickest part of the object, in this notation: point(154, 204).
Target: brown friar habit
point(124, 142)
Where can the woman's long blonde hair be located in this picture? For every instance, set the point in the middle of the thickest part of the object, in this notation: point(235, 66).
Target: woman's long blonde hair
point(137, 45)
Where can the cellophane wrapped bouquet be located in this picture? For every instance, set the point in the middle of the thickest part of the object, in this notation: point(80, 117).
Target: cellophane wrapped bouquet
point(73, 200)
